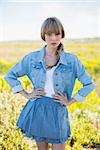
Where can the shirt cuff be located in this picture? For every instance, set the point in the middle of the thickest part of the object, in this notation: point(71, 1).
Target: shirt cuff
point(17, 89)
point(79, 98)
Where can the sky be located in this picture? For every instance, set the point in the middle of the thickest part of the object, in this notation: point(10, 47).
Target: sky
point(22, 19)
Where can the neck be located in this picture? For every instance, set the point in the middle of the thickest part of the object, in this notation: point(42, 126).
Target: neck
point(50, 51)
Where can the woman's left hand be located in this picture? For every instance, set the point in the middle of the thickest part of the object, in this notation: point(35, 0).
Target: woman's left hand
point(61, 98)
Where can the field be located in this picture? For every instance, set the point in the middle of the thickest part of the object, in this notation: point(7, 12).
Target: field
point(84, 117)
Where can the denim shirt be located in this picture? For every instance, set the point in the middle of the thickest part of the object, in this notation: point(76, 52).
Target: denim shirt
point(69, 68)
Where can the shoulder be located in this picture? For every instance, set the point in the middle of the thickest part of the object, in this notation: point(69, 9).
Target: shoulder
point(70, 57)
point(33, 54)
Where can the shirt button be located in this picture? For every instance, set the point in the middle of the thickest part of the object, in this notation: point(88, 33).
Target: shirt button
point(56, 84)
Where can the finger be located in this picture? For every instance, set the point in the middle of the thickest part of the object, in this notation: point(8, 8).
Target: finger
point(41, 92)
point(56, 97)
point(60, 93)
point(37, 92)
point(37, 96)
point(65, 94)
point(57, 101)
point(39, 89)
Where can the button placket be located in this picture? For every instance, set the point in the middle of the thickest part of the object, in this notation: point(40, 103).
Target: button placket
point(56, 85)
point(43, 78)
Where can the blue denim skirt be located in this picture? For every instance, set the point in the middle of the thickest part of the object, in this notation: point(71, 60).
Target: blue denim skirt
point(43, 119)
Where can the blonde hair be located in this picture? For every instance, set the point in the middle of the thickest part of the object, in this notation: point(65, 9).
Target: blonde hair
point(53, 25)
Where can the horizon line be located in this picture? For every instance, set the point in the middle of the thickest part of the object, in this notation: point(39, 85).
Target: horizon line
point(44, 41)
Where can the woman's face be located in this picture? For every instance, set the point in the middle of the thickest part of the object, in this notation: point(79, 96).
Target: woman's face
point(53, 40)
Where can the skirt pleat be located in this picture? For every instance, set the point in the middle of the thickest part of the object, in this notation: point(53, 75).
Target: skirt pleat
point(44, 119)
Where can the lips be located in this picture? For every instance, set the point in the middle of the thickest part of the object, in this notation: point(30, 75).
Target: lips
point(53, 43)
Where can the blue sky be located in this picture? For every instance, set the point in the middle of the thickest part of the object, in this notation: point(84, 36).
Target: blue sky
point(22, 19)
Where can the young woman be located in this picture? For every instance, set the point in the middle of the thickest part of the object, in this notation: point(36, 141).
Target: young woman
point(53, 73)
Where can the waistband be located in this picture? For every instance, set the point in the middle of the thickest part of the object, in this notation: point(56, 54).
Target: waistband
point(47, 99)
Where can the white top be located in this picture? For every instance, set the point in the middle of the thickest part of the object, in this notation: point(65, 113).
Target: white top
point(49, 89)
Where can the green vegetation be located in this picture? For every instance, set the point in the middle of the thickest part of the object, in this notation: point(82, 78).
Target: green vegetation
point(84, 117)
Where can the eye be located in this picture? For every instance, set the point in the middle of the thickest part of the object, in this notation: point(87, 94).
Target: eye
point(48, 34)
point(57, 33)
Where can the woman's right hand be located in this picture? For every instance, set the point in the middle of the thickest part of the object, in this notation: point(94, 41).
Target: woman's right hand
point(36, 93)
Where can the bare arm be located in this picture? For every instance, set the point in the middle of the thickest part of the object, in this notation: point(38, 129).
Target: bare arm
point(71, 101)
point(24, 93)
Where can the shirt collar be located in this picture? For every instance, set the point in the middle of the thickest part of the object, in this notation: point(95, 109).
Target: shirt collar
point(62, 60)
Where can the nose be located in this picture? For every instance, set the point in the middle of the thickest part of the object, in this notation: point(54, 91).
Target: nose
point(53, 37)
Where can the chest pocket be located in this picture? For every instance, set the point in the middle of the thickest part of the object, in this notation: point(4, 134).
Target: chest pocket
point(35, 69)
point(66, 72)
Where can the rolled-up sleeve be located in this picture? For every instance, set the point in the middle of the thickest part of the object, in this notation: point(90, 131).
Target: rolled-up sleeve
point(83, 76)
point(18, 70)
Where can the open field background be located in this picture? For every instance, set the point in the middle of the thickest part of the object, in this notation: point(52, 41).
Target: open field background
point(84, 117)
